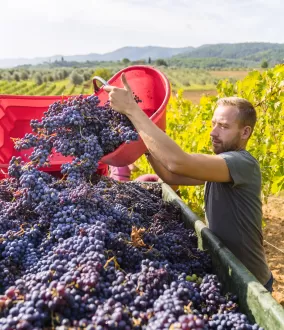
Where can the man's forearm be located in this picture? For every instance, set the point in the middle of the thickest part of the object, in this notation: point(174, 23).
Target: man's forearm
point(159, 169)
point(170, 178)
point(160, 146)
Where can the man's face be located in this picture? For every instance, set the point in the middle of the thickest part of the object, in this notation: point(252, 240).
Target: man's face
point(226, 133)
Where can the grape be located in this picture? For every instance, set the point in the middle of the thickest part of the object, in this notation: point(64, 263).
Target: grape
point(231, 320)
point(88, 252)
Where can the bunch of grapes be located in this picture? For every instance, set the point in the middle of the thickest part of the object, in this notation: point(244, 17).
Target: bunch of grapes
point(79, 127)
point(231, 320)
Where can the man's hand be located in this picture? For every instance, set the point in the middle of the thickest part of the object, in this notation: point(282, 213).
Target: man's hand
point(122, 99)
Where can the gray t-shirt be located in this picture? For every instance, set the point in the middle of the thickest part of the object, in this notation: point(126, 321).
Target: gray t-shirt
point(234, 212)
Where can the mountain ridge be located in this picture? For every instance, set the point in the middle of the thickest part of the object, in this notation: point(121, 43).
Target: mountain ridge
point(246, 51)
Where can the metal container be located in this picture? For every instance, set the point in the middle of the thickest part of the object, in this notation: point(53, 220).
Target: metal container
point(254, 300)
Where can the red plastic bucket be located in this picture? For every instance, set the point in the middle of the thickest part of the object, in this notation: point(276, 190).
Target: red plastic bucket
point(153, 88)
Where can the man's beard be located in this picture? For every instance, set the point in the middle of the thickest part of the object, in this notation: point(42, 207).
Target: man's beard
point(227, 146)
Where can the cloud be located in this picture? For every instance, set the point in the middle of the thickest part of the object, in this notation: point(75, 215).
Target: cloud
point(34, 28)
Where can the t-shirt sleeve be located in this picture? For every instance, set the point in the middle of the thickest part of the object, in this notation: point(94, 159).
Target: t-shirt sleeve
point(241, 166)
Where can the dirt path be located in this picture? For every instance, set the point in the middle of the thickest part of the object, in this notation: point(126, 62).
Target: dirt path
point(274, 235)
point(195, 95)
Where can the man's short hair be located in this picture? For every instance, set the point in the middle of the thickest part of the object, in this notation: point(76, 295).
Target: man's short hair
point(247, 113)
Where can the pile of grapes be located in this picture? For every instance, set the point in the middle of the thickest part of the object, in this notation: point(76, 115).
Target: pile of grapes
point(78, 127)
point(88, 252)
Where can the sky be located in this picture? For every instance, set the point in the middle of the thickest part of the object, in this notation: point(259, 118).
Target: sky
point(39, 28)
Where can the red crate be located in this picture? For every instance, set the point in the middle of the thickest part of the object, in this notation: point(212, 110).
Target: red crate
point(149, 84)
point(15, 115)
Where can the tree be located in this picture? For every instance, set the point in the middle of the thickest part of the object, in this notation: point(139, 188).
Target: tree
point(149, 60)
point(103, 73)
point(24, 75)
point(7, 76)
point(125, 61)
point(161, 62)
point(55, 76)
point(264, 64)
point(76, 79)
point(16, 76)
point(50, 78)
point(38, 78)
point(65, 73)
point(87, 75)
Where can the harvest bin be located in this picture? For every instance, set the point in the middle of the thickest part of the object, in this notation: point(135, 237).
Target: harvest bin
point(16, 111)
point(254, 300)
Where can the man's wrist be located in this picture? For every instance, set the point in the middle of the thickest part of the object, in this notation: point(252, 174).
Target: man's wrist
point(133, 110)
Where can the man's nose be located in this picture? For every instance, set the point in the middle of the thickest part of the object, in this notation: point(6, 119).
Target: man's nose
point(214, 131)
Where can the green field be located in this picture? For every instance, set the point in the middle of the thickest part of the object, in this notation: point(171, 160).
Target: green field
point(29, 87)
point(194, 82)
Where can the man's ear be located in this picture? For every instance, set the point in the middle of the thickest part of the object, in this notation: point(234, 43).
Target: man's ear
point(246, 132)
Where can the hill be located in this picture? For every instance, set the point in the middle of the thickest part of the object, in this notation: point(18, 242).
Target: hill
point(249, 54)
point(132, 53)
point(233, 51)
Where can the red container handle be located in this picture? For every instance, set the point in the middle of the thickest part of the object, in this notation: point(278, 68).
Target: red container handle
point(96, 87)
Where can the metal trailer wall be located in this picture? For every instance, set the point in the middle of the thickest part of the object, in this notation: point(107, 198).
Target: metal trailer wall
point(255, 301)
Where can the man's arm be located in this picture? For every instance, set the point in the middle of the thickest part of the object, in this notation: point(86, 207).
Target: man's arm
point(171, 178)
point(164, 149)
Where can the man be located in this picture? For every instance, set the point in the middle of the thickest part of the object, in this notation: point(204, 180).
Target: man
point(232, 176)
